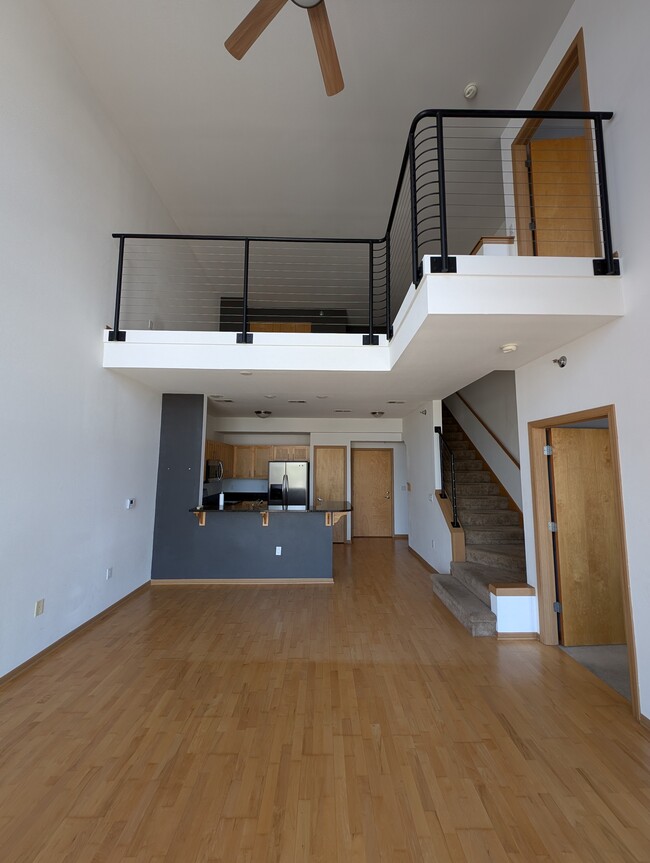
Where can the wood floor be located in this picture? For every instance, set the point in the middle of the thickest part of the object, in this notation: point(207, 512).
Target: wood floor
point(348, 722)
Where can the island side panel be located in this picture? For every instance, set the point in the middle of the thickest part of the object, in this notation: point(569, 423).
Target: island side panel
point(179, 476)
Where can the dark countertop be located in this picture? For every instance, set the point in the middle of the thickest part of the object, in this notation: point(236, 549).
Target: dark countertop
point(263, 506)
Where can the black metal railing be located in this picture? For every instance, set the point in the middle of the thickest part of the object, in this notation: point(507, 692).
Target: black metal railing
point(448, 476)
point(468, 180)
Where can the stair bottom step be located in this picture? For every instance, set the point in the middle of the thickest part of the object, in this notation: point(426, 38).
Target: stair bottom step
point(474, 615)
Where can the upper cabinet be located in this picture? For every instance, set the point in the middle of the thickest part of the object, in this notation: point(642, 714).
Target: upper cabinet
point(291, 453)
point(251, 462)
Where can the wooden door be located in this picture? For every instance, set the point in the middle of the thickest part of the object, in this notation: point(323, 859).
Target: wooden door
point(330, 482)
point(588, 539)
point(372, 492)
point(563, 196)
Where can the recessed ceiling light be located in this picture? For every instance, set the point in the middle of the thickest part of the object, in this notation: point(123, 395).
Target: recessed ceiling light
point(509, 347)
point(225, 401)
point(342, 412)
point(263, 414)
point(377, 413)
point(297, 402)
point(395, 403)
point(246, 373)
point(269, 397)
point(217, 397)
point(322, 397)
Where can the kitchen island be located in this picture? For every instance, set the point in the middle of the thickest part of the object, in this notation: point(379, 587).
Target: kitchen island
point(248, 543)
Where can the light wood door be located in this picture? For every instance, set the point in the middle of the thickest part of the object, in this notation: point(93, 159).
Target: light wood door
point(563, 195)
point(588, 538)
point(372, 492)
point(330, 482)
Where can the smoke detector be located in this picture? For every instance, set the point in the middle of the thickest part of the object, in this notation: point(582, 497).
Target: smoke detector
point(470, 90)
point(508, 348)
point(263, 414)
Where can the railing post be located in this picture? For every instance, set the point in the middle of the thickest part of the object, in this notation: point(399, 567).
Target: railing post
point(371, 338)
point(442, 195)
point(117, 335)
point(609, 266)
point(389, 325)
point(438, 431)
point(245, 338)
point(454, 502)
point(415, 240)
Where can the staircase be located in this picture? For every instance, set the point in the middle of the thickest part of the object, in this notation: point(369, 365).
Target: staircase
point(494, 538)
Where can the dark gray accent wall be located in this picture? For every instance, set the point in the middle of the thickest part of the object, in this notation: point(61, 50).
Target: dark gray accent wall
point(179, 477)
point(232, 544)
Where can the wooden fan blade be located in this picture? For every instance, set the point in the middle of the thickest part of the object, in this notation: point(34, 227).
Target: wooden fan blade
point(326, 49)
point(252, 27)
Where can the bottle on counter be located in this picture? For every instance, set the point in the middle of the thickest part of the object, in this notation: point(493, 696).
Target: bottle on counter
point(221, 500)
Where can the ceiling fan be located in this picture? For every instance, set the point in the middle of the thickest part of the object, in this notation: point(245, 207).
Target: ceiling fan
point(261, 15)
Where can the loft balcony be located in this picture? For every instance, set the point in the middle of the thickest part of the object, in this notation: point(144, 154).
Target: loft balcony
point(499, 231)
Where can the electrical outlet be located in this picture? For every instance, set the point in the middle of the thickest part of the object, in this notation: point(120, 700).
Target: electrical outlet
point(278, 550)
point(109, 573)
point(39, 607)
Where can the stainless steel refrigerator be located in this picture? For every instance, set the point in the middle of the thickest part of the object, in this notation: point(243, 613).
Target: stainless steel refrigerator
point(288, 485)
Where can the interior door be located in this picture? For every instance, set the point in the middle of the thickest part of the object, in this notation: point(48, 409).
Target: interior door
point(588, 539)
point(330, 477)
point(563, 197)
point(372, 492)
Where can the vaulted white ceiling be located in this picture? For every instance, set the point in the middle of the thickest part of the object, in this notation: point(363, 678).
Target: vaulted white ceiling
point(256, 146)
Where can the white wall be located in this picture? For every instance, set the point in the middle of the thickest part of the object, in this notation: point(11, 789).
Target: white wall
point(75, 440)
point(610, 365)
point(507, 472)
point(428, 532)
point(494, 398)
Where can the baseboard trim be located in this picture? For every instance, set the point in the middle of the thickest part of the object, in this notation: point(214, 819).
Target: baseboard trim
point(644, 721)
point(237, 582)
point(424, 563)
point(520, 636)
point(25, 666)
point(400, 536)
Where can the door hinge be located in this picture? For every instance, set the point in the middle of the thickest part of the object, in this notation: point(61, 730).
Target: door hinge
point(557, 607)
point(532, 226)
point(548, 449)
point(528, 163)
point(552, 526)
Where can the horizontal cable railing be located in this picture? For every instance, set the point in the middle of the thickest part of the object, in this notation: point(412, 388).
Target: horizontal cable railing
point(471, 182)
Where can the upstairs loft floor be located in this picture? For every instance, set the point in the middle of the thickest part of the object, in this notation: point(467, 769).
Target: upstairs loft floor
point(353, 721)
point(447, 334)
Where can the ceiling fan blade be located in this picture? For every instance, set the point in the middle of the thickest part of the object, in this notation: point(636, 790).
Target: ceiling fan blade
point(252, 27)
point(326, 49)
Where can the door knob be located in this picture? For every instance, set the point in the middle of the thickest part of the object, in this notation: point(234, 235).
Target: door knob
point(387, 495)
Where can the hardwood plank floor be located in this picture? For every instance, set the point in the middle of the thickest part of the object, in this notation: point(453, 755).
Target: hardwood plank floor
point(340, 723)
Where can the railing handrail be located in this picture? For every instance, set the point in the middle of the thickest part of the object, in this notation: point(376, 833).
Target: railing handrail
point(487, 428)
point(607, 266)
point(452, 459)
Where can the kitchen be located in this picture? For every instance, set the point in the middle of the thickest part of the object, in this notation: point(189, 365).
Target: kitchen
point(195, 541)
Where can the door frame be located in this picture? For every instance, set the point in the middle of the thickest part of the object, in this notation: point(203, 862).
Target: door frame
point(541, 493)
point(574, 60)
point(392, 481)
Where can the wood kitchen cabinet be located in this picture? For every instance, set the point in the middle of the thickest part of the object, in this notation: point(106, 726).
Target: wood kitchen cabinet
point(291, 453)
point(216, 449)
point(263, 455)
point(244, 462)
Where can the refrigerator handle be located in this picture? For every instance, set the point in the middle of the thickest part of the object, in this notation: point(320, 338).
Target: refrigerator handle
point(285, 490)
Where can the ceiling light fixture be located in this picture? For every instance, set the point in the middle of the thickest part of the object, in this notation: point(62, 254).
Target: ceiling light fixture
point(339, 411)
point(395, 403)
point(269, 397)
point(297, 402)
point(508, 348)
point(246, 373)
point(377, 414)
point(322, 397)
point(263, 415)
